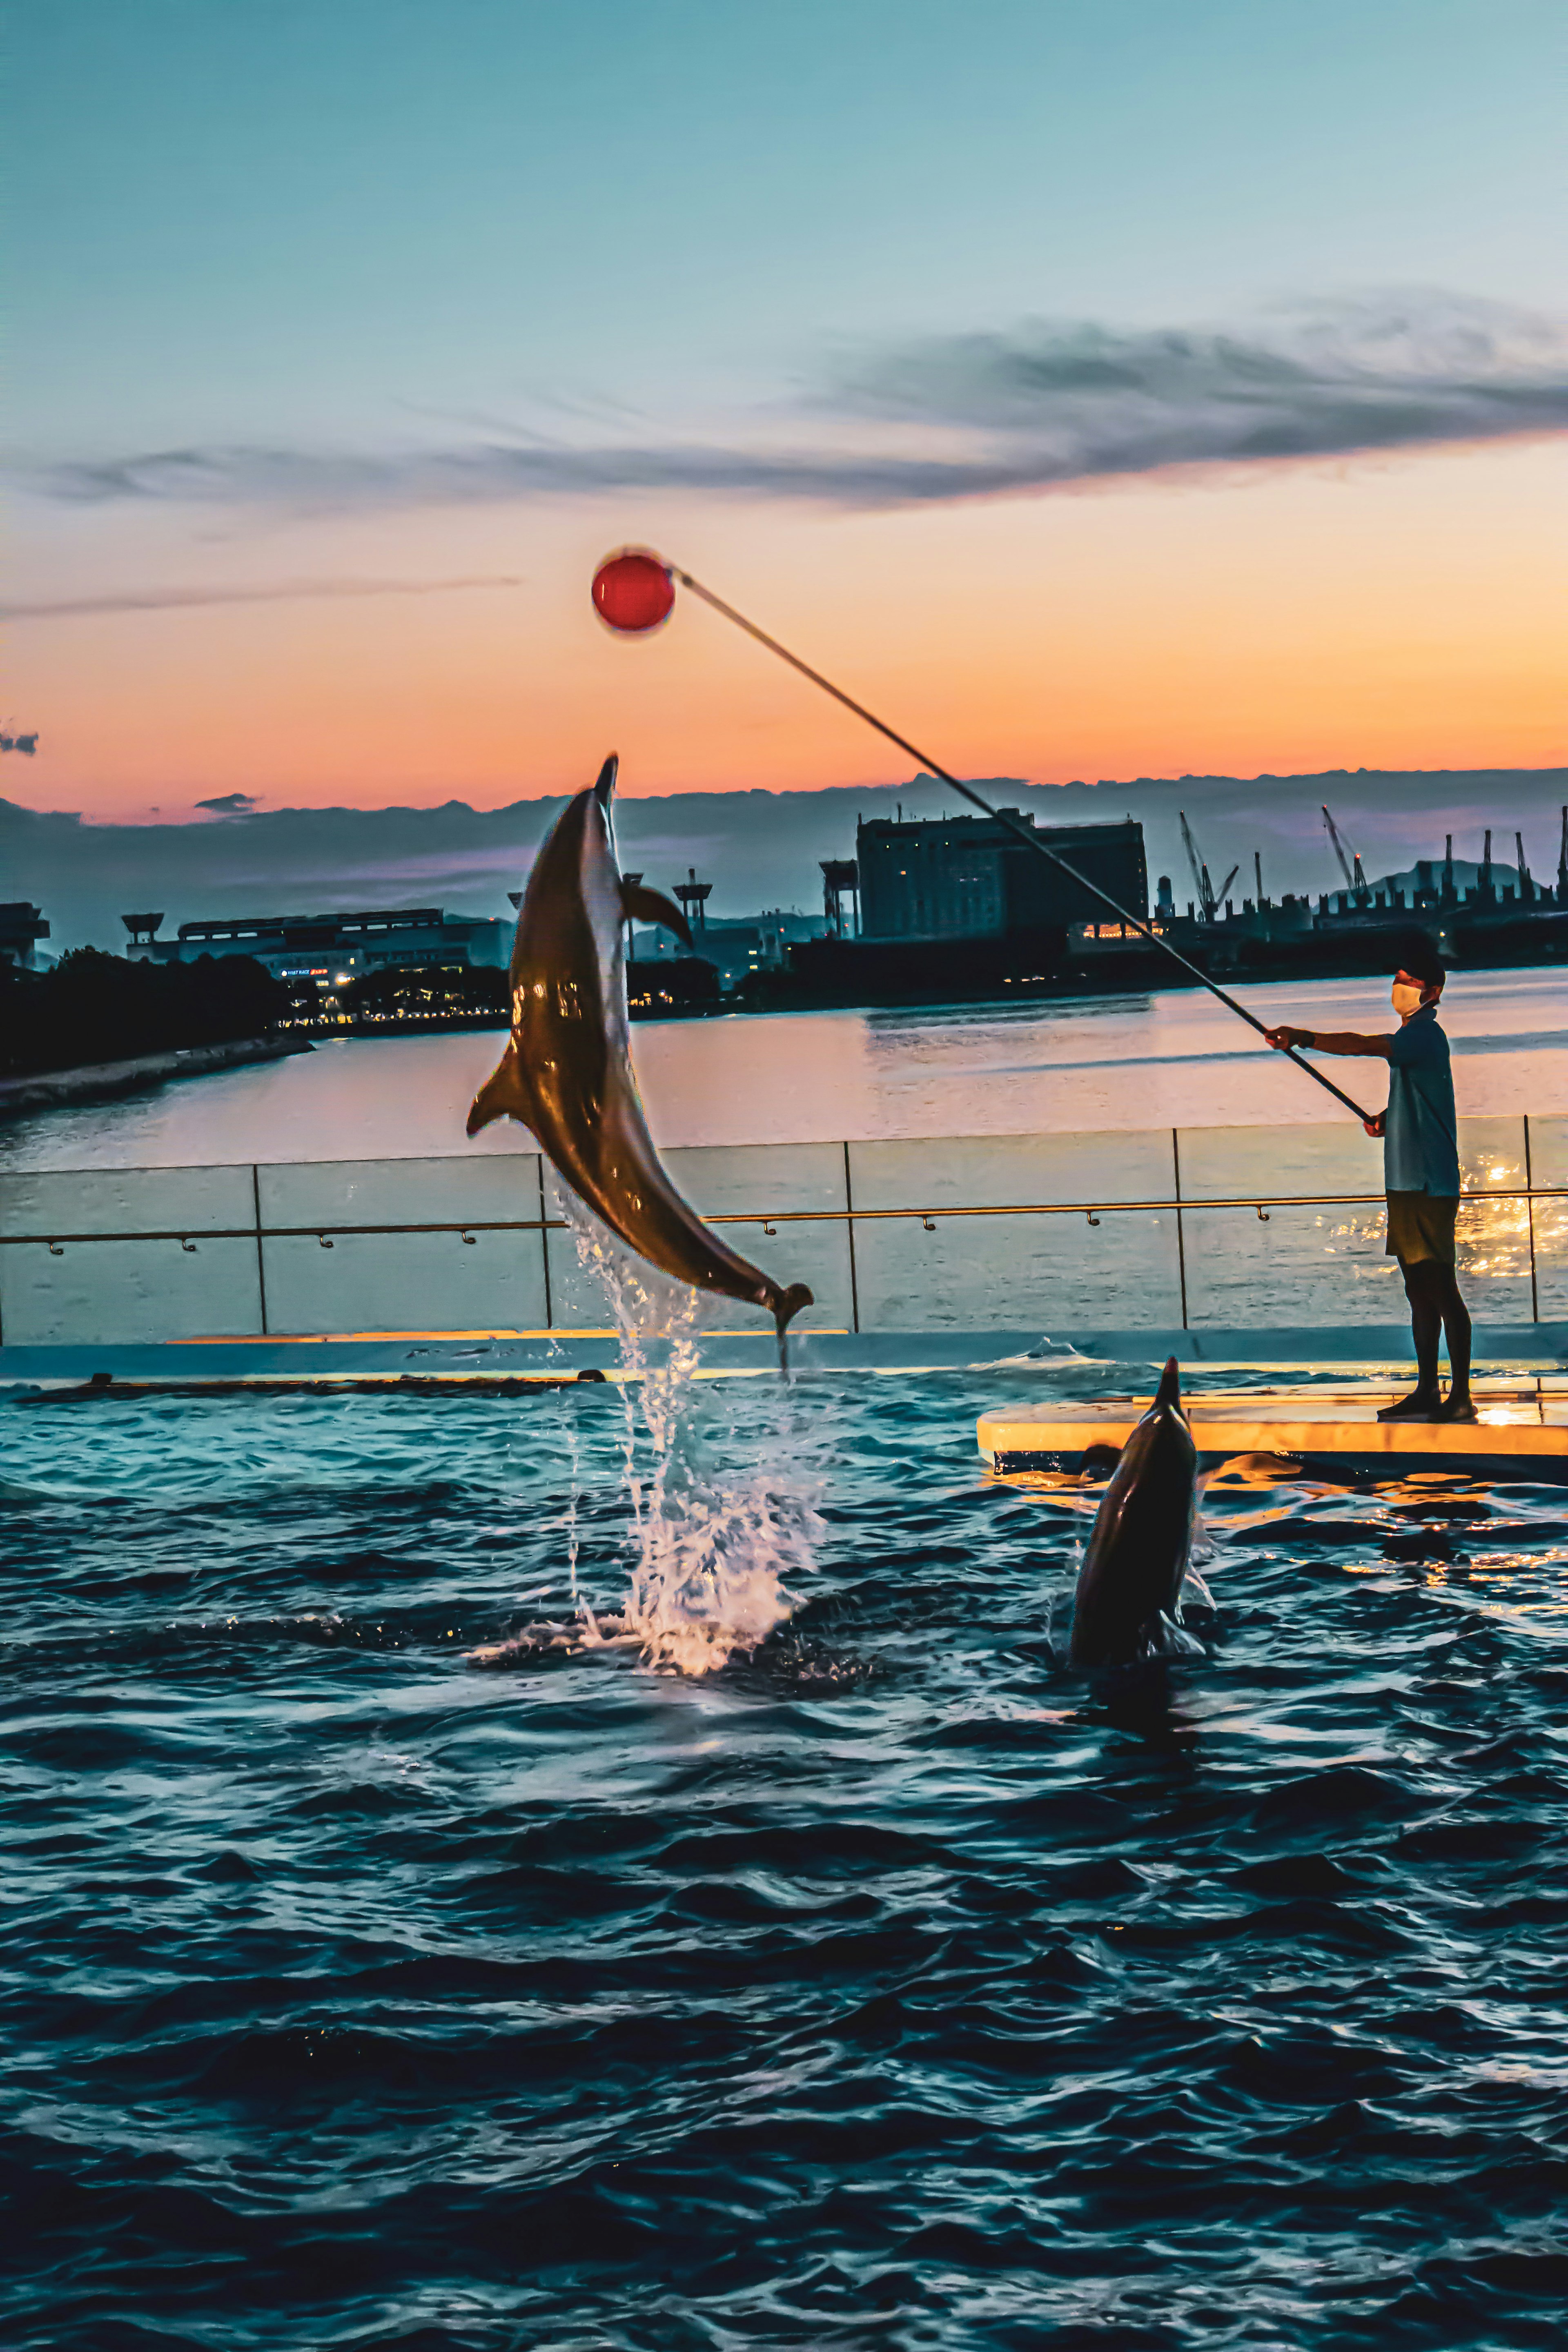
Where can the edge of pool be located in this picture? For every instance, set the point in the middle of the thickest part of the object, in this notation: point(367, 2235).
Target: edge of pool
point(424, 1361)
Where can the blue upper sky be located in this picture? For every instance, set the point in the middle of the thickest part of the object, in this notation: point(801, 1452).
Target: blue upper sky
point(344, 337)
point(324, 220)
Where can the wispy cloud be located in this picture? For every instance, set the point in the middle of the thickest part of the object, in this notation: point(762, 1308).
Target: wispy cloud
point(173, 600)
point(1077, 402)
point(979, 415)
point(231, 803)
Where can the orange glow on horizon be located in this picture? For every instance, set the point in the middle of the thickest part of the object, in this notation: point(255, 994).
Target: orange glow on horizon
point(1404, 616)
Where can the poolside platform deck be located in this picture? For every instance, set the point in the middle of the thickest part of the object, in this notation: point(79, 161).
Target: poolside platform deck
point(1317, 1432)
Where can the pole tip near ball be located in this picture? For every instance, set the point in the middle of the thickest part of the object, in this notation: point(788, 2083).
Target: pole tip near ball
point(632, 590)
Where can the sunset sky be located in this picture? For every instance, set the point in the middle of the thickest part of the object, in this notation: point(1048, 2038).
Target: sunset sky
point(1106, 388)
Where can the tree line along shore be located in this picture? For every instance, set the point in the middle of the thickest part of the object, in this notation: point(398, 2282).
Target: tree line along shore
point(91, 1008)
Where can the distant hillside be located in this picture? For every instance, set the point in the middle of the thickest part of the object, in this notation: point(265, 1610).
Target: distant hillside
point(1467, 874)
point(759, 849)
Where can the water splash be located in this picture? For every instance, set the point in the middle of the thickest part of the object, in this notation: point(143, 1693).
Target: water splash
point(715, 1543)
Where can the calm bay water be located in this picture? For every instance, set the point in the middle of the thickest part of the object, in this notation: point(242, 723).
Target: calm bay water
point(1174, 1059)
point(887, 1988)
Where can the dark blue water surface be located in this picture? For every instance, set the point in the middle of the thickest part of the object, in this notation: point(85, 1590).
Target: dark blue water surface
point(887, 1986)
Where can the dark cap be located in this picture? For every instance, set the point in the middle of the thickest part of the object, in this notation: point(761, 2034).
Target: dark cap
point(1418, 956)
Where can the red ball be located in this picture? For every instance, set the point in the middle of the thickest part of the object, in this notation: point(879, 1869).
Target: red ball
point(632, 590)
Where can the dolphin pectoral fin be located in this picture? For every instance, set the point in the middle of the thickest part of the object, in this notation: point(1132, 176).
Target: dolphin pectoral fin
point(1164, 1636)
point(647, 906)
point(504, 1094)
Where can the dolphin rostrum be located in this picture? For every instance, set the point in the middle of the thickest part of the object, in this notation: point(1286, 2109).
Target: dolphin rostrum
point(567, 1074)
point(1136, 1556)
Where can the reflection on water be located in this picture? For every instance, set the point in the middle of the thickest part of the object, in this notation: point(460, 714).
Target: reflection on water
point(1176, 1058)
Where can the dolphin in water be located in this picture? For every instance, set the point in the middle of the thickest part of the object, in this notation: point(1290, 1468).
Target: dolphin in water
point(1136, 1556)
point(567, 1074)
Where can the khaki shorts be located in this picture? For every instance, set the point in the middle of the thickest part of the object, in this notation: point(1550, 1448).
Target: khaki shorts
point(1421, 1225)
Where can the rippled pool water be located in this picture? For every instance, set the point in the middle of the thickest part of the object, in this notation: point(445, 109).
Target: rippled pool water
point(886, 1986)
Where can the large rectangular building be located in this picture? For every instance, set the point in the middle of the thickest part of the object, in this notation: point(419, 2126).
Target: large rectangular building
point(968, 878)
point(332, 948)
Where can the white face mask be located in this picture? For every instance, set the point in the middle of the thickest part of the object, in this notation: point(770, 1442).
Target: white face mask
point(1407, 1000)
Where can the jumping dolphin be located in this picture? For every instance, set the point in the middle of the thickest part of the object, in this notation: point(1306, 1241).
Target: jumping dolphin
point(1137, 1553)
point(567, 1074)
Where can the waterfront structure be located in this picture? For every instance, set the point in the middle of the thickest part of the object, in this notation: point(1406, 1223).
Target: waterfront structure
point(330, 950)
point(694, 897)
point(970, 877)
point(946, 918)
point(736, 945)
point(840, 880)
point(22, 926)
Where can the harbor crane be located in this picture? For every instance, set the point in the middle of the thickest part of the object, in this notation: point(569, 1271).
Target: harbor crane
point(1355, 881)
point(1209, 898)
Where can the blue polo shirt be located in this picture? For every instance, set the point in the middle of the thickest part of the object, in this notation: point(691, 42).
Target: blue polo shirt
point(1421, 1142)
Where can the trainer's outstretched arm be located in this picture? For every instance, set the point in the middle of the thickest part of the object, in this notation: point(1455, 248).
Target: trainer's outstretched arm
point(1331, 1041)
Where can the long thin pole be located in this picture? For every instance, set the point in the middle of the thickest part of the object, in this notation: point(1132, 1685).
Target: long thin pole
point(1024, 833)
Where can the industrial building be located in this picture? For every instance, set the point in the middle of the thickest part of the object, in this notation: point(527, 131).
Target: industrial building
point(736, 945)
point(968, 877)
point(331, 949)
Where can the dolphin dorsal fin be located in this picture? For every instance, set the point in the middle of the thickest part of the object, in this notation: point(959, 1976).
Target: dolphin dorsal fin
point(1169, 1388)
point(504, 1094)
point(646, 906)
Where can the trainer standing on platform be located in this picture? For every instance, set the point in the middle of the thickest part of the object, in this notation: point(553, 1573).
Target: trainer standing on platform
point(1421, 1176)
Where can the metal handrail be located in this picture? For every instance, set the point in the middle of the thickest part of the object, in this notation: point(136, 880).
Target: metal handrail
point(1258, 1202)
point(281, 1233)
point(850, 1216)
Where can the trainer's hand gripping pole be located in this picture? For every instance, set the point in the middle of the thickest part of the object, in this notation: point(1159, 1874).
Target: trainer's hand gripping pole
point(1000, 817)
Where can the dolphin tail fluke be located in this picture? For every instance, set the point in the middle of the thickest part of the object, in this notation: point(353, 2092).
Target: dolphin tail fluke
point(1169, 1389)
point(645, 905)
point(786, 1305)
point(504, 1094)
